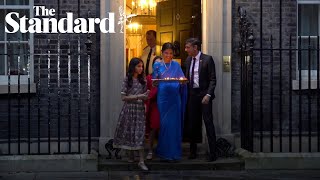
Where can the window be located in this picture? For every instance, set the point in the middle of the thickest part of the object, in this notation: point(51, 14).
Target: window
point(308, 25)
point(23, 7)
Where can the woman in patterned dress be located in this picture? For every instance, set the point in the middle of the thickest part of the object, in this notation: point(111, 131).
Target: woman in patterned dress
point(130, 130)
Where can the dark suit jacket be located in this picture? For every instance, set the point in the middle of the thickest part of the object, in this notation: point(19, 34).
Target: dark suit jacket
point(207, 74)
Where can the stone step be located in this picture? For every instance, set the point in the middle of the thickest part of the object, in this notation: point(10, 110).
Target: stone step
point(185, 164)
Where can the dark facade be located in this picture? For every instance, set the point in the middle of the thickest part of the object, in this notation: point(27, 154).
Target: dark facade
point(55, 111)
point(277, 108)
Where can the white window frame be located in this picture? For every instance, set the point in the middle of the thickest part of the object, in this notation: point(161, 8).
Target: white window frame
point(305, 73)
point(23, 78)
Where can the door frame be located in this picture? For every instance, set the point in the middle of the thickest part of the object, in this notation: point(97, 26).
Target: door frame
point(112, 68)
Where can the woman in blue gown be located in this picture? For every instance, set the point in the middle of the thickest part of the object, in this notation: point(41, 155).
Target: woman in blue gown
point(171, 101)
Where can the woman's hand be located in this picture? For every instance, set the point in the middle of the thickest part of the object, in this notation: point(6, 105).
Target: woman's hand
point(142, 97)
point(147, 92)
point(155, 83)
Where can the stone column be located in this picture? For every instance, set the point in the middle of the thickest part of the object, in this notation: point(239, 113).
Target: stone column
point(217, 42)
point(111, 74)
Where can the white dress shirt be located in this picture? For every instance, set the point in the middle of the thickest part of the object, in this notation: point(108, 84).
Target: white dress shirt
point(196, 70)
point(144, 57)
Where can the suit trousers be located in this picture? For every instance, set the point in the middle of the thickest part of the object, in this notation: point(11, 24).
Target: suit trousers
point(197, 111)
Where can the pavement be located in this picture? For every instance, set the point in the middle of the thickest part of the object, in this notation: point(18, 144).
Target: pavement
point(185, 164)
point(167, 175)
point(199, 169)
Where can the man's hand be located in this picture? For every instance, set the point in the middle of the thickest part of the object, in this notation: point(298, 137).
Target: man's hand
point(205, 99)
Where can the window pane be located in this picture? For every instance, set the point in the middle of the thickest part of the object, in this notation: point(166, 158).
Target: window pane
point(308, 19)
point(1, 2)
point(305, 54)
point(17, 2)
point(18, 35)
point(23, 59)
point(2, 60)
point(2, 16)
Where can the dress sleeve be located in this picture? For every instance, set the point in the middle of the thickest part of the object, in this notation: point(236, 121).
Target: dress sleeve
point(156, 70)
point(124, 89)
point(179, 72)
point(145, 87)
point(153, 90)
point(149, 82)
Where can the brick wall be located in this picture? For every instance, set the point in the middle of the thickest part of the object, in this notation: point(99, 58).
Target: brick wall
point(271, 26)
point(42, 46)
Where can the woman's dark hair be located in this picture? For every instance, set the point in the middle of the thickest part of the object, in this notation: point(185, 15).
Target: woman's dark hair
point(132, 65)
point(155, 58)
point(166, 46)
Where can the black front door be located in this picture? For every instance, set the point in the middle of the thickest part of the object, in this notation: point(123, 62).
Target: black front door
point(178, 20)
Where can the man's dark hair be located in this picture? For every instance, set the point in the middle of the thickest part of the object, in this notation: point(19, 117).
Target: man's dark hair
point(153, 32)
point(194, 41)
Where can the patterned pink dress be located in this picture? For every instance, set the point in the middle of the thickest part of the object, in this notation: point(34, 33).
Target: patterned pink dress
point(130, 130)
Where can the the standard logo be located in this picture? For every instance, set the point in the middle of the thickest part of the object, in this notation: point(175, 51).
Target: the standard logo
point(49, 24)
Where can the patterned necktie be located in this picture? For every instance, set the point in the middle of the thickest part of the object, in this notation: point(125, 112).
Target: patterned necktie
point(148, 62)
point(192, 72)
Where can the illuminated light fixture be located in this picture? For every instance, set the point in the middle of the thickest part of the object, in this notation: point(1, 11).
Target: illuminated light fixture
point(143, 12)
point(144, 7)
point(134, 27)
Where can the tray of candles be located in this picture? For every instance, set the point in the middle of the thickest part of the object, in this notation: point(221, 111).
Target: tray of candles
point(181, 80)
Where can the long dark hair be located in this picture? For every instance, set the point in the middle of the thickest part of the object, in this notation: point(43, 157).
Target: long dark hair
point(132, 65)
point(155, 58)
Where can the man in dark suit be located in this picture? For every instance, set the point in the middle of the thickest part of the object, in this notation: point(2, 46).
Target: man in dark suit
point(200, 71)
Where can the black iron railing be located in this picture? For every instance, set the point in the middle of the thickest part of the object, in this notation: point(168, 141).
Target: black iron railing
point(53, 120)
point(280, 97)
point(33, 115)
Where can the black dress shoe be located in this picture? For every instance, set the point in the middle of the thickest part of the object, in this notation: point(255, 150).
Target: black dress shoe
point(193, 156)
point(211, 158)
